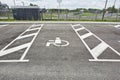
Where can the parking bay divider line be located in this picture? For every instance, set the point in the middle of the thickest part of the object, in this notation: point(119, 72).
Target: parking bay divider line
point(117, 26)
point(32, 29)
point(8, 61)
point(23, 56)
point(99, 49)
point(1, 26)
point(27, 45)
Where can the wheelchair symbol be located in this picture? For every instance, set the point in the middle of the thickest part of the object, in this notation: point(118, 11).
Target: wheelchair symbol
point(57, 42)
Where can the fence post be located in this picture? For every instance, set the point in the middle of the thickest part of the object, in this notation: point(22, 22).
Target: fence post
point(117, 14)
point(51, 14)
point(66, 14)
point(96, 15)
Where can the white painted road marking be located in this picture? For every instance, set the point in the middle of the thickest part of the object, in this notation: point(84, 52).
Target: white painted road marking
point(99, 49)
point(80, 29)
point(57, 42)
point(86, 35)
point(117, 26)
point(50, 42)
point(105, 60)
point(23, 56)
point(6, 51)
point(29, 35)
point(8, 61)
point(3, 25)
point(62, 45)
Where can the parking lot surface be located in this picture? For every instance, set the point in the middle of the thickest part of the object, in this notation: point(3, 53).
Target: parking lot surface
point(59, 51)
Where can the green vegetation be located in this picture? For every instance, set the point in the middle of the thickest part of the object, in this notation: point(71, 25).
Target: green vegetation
point(79, 14)
point(112, 9)
point(87, 14)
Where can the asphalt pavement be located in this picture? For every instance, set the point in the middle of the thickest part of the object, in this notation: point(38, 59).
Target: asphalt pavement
point(59, 51)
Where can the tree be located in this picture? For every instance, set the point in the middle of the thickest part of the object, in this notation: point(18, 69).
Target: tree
point(4, 7)
point(33, 4)
point(112, 9)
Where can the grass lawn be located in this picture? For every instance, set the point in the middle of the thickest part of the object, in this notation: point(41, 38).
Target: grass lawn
point(87, 14)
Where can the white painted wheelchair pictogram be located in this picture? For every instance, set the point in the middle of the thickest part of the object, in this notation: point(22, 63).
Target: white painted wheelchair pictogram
point(57, 42)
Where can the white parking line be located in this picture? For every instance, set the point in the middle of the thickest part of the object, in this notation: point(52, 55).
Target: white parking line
point(80, 29)
point(8, 61)
point(99, 49)
point(29, 35)
point(6, 51)
point(32, 29)
point(105, 60)
point(86, 35)
point(3, 25)
point(117, 26)
point(23, 56)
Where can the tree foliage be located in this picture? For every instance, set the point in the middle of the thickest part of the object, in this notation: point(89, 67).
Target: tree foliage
point(112, 9)
point(33, 4)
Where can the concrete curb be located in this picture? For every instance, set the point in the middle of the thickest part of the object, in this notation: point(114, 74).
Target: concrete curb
point(60, 22)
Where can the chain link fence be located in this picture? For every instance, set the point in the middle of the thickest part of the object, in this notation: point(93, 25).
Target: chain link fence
point(77, 16)
point(66, 16)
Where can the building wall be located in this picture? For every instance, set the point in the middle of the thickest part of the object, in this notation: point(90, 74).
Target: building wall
point(26, 14)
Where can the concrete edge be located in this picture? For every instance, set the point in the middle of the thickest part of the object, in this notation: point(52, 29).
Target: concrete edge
point(58, 22)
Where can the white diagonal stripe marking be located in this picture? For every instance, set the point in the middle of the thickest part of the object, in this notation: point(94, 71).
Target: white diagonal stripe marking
point(86, 35)
point(32, 29)
point(2, 53)
point(79, 29)
point(33, 34)
point(99, 49)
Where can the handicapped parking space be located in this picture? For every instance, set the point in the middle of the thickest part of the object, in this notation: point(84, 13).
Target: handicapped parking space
point(70, 48)
point(58, 52)
point(53, 62)
point(69, 62)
